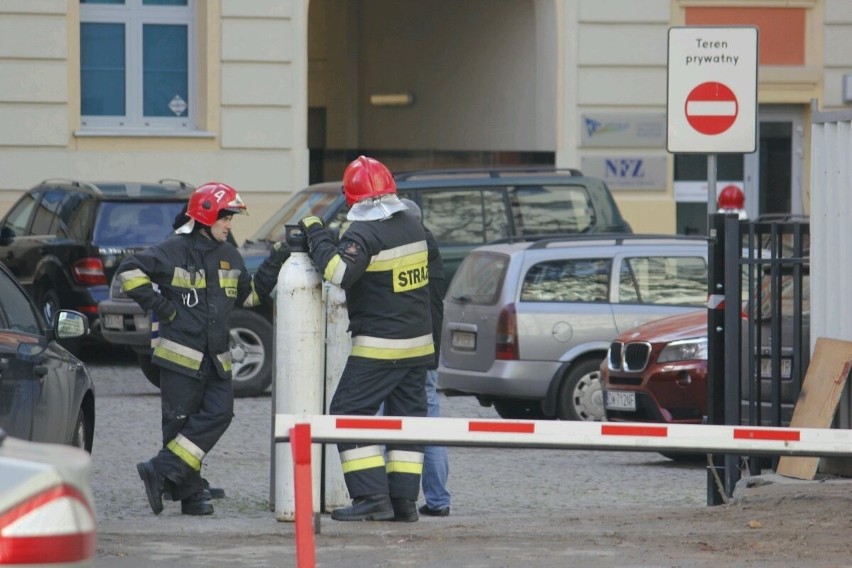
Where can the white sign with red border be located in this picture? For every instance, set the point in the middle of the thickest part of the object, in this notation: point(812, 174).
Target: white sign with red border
point(712, 90)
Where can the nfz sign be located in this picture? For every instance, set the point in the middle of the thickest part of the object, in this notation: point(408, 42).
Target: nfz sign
point(627, 172)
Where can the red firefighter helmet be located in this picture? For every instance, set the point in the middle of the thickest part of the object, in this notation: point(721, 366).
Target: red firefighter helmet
point(212, 201)
point(731, 198)
point(366, 177)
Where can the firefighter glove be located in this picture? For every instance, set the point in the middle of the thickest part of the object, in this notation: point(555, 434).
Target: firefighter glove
point(280, 253)
point(166, 311)
point(308, 222)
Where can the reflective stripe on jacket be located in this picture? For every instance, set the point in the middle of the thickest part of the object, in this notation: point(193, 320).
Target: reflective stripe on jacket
point(203, 280)
point(383, 266)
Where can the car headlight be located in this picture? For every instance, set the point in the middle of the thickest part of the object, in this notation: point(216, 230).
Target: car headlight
point(683, 350)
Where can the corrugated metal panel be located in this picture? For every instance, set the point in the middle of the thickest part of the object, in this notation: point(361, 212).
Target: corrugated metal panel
point(831, 233)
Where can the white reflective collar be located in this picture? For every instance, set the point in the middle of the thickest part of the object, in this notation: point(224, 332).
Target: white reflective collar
point(376, 208)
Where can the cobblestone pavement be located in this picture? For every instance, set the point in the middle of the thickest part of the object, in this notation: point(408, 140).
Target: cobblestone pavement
point(511, 507)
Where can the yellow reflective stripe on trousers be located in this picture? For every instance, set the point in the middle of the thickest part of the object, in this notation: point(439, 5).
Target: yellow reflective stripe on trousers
point(359, 459)
point(391, 349)
point(182, 447)
point(401, 461)
point(178, 354)
point(132, 279)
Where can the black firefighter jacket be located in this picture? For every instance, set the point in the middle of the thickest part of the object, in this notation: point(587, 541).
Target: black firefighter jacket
point(199, 280)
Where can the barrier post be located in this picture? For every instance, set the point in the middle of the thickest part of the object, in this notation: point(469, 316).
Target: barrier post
point(300, 445)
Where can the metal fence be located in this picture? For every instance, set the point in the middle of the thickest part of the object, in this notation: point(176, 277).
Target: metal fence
point(759, 335)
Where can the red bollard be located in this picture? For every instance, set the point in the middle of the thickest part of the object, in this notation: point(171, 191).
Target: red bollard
point(300, 445)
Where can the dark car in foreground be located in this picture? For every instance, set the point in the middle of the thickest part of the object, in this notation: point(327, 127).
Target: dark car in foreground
point(463, 208)
point(47, 510)
point(46, 393)
point(63, 239)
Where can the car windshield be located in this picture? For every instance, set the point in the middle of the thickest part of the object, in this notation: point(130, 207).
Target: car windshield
point(301, 205)
point(137, 223)
point(541, 210)
point(479, 279)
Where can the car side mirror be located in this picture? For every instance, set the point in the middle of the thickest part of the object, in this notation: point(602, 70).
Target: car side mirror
point(6, 235)
point(69, 324)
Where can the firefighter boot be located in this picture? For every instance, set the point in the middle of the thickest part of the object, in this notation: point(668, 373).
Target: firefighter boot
point(197, 504)
point(153, 481)
point(367, 508)
point(404, 510)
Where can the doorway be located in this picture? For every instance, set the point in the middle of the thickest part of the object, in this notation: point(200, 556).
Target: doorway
point(773, 174)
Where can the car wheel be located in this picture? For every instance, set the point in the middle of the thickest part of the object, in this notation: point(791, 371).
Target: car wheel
point(251, 352)
point(80, 436)
point(150, 370)
point(48, 303)
point(518, 409)
point(580, 396)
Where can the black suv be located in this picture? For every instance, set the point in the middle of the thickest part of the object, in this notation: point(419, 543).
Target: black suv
point(64, 239)
point(463, 208)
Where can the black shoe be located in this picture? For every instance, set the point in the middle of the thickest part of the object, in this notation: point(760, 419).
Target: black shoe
point(153, 485)
point(439, 512)
point(198, 504)
point(369, 508)
point(404, 510)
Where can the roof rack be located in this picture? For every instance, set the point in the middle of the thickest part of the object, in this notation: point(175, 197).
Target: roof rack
point(618, 238)
point(182, 184)
point(73, 182)
point(508, 171)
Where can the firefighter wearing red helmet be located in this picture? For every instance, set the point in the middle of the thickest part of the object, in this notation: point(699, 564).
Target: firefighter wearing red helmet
point(191, 282)
point(381, 262)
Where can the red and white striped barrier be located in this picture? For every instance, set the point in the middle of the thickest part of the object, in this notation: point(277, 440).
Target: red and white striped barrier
point(625, 436)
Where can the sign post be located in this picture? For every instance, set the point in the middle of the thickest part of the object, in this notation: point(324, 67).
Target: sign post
point(712, 109)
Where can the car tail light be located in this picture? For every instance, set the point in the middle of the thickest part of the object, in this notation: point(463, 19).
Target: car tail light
point(507, 334)
point(56, 525)
point(89, 271)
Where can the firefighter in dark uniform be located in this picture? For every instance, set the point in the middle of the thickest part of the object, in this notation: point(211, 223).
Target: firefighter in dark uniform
point(199, 278)
point(381, 262)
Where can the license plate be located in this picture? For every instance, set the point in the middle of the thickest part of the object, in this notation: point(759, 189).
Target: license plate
point(113, 321)
point(464, 340)
point(619, 400)
point(766, 368)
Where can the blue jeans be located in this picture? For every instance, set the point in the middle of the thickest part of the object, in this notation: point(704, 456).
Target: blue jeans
point(436, 464)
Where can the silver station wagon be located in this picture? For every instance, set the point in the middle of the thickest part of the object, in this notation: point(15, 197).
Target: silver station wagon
point(527, 324)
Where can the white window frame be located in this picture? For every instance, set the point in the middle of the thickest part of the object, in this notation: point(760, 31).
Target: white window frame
point(134, 15)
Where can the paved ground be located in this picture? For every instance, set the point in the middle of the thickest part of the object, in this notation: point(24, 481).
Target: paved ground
point(512, 508)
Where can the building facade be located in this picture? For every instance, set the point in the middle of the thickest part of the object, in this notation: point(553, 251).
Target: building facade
point(269, 95)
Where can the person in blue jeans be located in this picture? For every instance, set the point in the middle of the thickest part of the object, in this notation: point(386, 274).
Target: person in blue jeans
point(436, 465)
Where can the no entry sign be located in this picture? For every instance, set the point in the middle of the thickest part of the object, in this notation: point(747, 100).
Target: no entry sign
point(711, 108)
point(712, 90)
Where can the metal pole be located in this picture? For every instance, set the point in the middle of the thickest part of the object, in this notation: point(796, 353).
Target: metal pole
point(731, 336)
point(711, 185)
point(715, 331)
